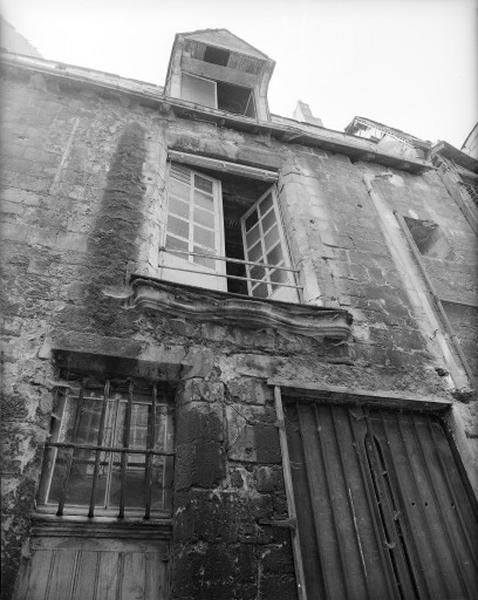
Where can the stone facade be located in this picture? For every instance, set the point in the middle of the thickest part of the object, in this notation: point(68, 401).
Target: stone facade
point(84, 170)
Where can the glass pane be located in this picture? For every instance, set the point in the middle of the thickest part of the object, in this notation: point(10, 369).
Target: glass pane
point(198, 90)
point(274, 257)
point(204, 217)
point(252, 236)
point(89, 421)
point(268, 221)
point(158, 483)
point(135, 483)
point(59, 471)
point(81, 478)
point(203, 200)
point(179, 208)
point(180, 172)
point(279, 276)
point(257, 272)
point(266, 204)
point(173, 243)
point(178, 227)
point(271, 238)
point(205, 262)
point(139, 426)
point(179, 189)
point(203, 184)
point(204, 237)
point(255, 253)
point(260, 291)
point(251, 220)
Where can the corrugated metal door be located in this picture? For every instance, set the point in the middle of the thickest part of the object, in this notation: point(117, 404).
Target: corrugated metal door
point(383, 508)
point(94, 569)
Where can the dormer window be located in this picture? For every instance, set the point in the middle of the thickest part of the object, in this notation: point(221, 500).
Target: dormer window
point(213, 68)
point(218, 94)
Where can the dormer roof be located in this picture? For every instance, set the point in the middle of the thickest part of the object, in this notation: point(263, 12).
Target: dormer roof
point(223, 38)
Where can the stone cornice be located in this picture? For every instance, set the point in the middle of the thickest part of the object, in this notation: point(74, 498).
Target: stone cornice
point(203, 305)
point(285, 130)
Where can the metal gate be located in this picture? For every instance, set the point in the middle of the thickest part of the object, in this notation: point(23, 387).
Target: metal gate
point(384, 510)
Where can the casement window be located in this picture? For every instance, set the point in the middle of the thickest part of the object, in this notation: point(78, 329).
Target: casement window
point(218, 94)
point(110, 451)
point(225, 233)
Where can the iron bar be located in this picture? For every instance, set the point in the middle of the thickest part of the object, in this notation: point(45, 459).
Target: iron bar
point(124, 455)
point(224, 275)
point(149, 457)
point(227, 259)
point(70, 456)
point(108, 448)
point(106, 392)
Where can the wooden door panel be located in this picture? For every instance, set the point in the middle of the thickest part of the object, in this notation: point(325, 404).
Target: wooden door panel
point(87, 569)
point(383, 507)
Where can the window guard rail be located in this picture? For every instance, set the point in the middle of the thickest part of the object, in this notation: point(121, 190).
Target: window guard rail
point(233, 260)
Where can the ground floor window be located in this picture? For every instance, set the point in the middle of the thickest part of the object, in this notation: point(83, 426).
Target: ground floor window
point(110, 450)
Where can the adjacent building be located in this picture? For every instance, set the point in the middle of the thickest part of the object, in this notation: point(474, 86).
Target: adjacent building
point(239, 349)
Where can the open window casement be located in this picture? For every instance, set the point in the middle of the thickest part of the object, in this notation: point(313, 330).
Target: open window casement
point(199, 90)
point(264, 243)
point(195, 234)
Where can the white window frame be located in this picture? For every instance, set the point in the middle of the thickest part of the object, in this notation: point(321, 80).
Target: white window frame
point(192, 76)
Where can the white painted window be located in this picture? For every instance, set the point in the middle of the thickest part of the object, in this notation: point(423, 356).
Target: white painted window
point(193, 249)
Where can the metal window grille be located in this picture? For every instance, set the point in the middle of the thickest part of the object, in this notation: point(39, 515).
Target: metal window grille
point(110, 451)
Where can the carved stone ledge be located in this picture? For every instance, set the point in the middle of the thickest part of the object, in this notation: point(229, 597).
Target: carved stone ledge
point(203, 305)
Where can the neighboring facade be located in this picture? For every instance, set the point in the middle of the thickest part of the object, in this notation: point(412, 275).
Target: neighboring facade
point(238, 355)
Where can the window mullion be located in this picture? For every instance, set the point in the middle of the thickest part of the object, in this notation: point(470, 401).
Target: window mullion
point(106, 391)
point(112, 420)
point(71, 452)
point(124, 453)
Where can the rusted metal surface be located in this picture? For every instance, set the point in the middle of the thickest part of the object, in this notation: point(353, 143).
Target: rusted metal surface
point(383, 507)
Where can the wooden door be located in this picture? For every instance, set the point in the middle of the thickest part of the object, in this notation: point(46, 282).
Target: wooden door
point(384, 509)
point(76, 568)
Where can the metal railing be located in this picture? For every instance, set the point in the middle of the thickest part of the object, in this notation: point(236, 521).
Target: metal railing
point(268, 267)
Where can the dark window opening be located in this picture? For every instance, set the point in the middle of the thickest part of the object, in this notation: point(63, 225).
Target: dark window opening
point(429, 238)
point(235, 99)
point(471, 188)
point(217, 56)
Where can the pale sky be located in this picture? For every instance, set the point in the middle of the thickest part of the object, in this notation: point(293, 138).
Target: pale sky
point(411, 64)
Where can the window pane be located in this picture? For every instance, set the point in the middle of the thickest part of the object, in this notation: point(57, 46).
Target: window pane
point(173, 243)
point(201, 260)
point(177, 188)
point(203, 200)
point(257, 272)
point(139, 426)
point(89, 421)
point(268, 221)
point(179, 208)
point(274, 256)
point(178, 227)
point(180, 172)
point(251, 220)
point(252, 236)
point(260, 291)
point(279, 276)
point(204, 217)
point(255, 253)
point(196, 89)
point(271, 238)
point(204, 237)
point(266, 204)
point(203, 184)
point(160, 487)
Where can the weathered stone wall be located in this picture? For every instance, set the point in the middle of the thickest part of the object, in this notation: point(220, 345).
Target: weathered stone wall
point(84, 190)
